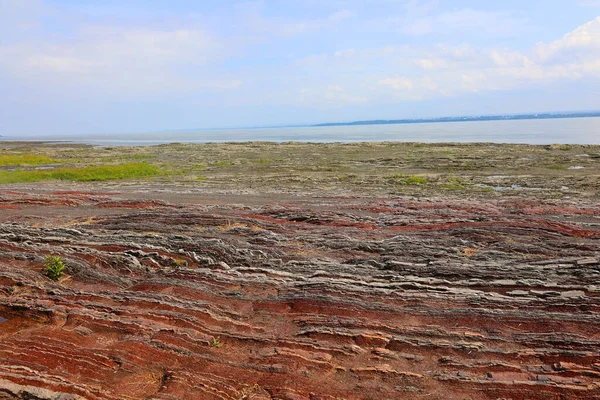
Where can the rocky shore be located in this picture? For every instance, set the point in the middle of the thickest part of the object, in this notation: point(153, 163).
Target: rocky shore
point(305, 272)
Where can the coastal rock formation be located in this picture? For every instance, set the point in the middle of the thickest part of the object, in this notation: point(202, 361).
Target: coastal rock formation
point(298, 297)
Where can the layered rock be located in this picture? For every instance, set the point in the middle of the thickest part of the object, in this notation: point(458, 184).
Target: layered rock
point(298, 298)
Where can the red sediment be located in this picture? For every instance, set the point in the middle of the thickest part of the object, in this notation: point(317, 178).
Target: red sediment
point(316, 300)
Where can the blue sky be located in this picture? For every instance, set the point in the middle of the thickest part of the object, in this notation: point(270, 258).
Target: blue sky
point(79, 67)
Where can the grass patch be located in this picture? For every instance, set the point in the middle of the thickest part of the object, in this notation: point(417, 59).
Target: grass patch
point(557, 167)
point(85, 174)
point(454, 183)
point(127, 157)
point(25, 159)
point(410, 179)
point(222, 164)
point(484, 188)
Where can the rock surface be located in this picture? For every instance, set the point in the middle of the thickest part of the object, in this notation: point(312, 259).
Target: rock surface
point(298, 297)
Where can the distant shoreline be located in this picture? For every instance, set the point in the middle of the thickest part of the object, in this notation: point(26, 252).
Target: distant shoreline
point(587, 114)
point(560, 129)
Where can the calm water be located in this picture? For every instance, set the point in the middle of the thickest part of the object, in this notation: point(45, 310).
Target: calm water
point(543, 131)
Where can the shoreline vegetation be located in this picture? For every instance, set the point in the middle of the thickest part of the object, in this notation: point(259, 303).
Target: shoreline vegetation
point(461, 169)
point(82, 174)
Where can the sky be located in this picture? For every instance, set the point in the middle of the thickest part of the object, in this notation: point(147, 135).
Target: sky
point(91, 66)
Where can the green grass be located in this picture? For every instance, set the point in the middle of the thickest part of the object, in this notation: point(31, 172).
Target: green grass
point(410, 179)
point(222, 164)
point(557, 167)
point(454, 183)
point(483, 188)
point(127, 157)
point(24, 159)
point(85, 174)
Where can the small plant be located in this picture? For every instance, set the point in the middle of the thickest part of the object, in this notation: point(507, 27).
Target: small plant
point(54, 267)
point(179, 263)
point(216, 342)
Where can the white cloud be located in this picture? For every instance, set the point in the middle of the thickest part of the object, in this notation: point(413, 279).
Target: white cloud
point(416, 73)
point(100, 55)
point(509, 59)
point(130, 60)
point(138, 59)
point(583, 42)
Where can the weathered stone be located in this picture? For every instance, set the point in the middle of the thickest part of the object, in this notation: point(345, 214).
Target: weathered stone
point(176, 300)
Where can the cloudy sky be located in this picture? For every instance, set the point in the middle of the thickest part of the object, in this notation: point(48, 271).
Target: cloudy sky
point(93, 66)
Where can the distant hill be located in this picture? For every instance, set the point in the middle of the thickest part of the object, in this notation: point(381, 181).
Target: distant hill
point(582, 114)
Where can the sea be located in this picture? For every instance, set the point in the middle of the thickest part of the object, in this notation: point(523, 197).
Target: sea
point(534, 131)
